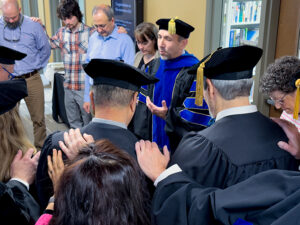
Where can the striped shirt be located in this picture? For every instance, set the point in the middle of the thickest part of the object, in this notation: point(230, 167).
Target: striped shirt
point(73, 47)
point(289, 117)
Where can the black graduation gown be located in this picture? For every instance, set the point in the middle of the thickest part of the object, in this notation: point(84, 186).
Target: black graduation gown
point(121, 137)
point(271, 197)
point(233, 149)
point(177, 125)
point(17, 206)
point(141, 123)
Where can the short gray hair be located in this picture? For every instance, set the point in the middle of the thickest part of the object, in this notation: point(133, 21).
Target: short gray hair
point(107, 95)
point(106, 9)
point(180, 38)
point(230, 89)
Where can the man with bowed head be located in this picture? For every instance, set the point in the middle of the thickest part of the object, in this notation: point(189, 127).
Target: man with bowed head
point(113, 99)
point(21, 33)
point(106, 43)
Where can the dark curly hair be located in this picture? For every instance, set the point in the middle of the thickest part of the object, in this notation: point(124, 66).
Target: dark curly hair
point(281, 75)
point(67, 9)
point(102, 185)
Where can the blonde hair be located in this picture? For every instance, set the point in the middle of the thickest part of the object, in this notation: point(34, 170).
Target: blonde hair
point(12, 138)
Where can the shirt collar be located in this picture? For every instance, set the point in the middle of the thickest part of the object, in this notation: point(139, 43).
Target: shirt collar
point(110, 122)
point(113, 34)
point(236, 111)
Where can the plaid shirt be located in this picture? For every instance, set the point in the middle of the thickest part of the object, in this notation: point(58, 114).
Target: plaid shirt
point(73, 47)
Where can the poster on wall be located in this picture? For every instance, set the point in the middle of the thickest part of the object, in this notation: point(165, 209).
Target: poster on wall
point(128, 14)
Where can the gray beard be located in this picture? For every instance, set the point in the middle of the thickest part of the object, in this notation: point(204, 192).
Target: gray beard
point(13, 26)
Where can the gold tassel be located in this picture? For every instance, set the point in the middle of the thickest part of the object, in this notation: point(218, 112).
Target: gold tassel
point(199, 81)
point(199, 85)
point(172, 25)
point(296, 109)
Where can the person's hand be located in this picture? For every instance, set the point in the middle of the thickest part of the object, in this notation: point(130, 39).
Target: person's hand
point(86, 107)
point(24, 167)
point(37, 20)
point(150, 159)
point(158, 111)
point(73, 142)
point(122, 30)
point(291, 131)
point(55, 167)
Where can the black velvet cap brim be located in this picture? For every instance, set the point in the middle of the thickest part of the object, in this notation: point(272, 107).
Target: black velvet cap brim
point(8, 56)
point(182, 29)
point(11, 92)
point(233, 63)
point(116, 73)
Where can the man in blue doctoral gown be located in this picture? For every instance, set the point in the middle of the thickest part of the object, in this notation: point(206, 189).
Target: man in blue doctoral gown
point(167, 110)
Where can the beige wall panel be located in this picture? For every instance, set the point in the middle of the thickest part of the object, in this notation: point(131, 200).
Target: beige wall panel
point(191, 11)
point(41, 10)
point(47, 21)
point(89, 5)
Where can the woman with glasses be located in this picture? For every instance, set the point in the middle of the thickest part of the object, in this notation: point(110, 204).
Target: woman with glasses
point(278, 83)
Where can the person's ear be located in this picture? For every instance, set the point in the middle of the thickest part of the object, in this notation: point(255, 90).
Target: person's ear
point(92, 100)
point(184, 43)
point(133, 102)
point(210, 88)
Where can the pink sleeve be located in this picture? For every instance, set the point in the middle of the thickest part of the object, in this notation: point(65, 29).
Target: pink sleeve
point(44, 219)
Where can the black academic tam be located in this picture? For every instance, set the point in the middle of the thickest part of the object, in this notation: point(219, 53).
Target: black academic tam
point(8, 55)
point(11, 92)
point(117, 73)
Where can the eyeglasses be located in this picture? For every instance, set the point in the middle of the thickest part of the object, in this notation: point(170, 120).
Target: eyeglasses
point(6, 19)
point(12, 35)
point(279, 101)
point(10, 75)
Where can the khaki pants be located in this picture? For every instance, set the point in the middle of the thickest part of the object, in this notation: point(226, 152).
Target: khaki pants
point(35, 103)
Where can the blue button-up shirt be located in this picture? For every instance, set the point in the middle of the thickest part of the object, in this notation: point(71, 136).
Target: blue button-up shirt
point(33, 41)
point(115, 46)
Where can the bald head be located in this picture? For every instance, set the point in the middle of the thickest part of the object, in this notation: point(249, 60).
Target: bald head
point(9, 4)
point(11, 13)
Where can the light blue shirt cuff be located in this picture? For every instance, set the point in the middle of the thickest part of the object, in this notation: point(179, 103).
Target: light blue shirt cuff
point(87, 89)
point(171, 170)
point(21, 181)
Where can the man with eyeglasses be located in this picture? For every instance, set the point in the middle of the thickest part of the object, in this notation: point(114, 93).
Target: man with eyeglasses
point(106, 43)
point(19, 32)
point(72, 39)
